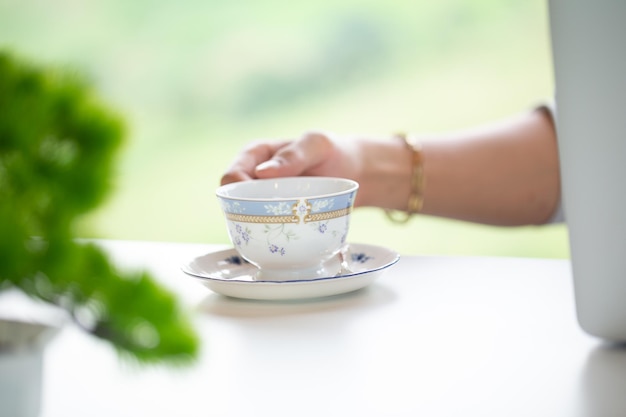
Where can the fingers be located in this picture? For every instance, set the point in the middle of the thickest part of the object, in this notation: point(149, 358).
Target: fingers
point(244, 166)
point(299, 157)
point(281, 159)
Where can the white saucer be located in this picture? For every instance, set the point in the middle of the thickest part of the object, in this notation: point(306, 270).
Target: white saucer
point(226, 273)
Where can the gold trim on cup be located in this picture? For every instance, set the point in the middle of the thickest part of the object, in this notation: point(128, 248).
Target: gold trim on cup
point(327, 215)
point(308, 217)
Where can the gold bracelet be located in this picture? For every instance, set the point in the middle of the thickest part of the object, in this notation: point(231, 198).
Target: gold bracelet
point(416, 196)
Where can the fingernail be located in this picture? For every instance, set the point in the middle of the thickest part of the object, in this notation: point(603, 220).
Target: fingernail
point(270, 164)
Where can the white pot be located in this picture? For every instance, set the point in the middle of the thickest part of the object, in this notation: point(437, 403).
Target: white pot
point(24, 333)
point(20, 382)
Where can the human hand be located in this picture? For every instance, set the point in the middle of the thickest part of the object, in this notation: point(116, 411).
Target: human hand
point(380, 166)
point(314, 153)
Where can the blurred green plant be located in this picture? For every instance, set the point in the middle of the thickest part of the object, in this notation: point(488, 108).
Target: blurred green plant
point(57, 149)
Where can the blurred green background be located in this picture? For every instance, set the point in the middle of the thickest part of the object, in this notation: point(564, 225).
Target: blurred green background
point(197, 80)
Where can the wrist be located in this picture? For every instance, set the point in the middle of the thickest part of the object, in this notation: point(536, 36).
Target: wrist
point(415, 199)
point(386, 174)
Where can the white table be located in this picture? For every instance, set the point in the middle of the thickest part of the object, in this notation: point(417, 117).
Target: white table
point(434, 336)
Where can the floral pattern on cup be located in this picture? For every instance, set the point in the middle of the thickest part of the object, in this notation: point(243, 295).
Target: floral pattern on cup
point(278, 250)
point(282, 208)
point(232, 206)
point(323, 228)
point(281, 232)
point(292, 233)
point(291, 211)
point(275, 233)
point(325, 204)
point(278, 235)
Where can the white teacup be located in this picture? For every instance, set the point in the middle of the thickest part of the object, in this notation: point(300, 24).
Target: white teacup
point(290, 228)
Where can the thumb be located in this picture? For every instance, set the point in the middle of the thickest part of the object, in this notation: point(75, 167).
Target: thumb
point(296, 158)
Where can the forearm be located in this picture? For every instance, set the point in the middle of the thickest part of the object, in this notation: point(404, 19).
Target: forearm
point(504, 174)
